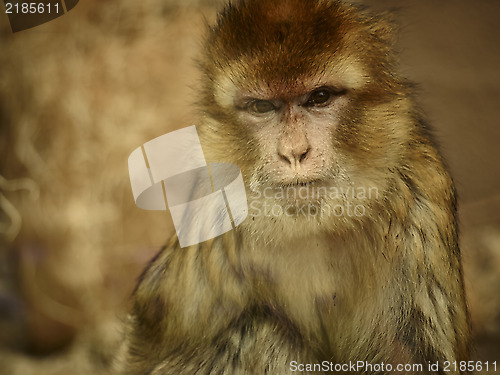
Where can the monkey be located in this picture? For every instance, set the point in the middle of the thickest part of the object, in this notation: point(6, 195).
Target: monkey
point(349, 253)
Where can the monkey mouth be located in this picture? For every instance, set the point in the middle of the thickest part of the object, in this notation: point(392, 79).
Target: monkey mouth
point(301, 183)
point(300, 191)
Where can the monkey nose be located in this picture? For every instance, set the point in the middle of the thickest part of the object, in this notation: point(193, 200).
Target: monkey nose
point(294, 156)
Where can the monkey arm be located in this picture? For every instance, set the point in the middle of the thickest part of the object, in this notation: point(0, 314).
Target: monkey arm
point(184, 299)
point(434, 323)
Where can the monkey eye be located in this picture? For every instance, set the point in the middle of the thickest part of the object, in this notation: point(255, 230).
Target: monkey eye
point(318, 98)
point(262, 106)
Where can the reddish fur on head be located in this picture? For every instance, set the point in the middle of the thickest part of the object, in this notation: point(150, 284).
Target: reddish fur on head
point(284, 40)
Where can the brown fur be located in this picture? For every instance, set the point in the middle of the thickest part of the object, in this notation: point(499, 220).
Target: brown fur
point(385, 286)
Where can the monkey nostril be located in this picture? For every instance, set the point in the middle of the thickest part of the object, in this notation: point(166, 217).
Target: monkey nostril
point(285, 159)
point(304, 155)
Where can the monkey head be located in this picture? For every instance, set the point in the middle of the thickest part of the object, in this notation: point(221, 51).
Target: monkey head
point(303, 93)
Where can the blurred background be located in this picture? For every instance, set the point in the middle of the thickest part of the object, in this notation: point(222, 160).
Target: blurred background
point(80, 93)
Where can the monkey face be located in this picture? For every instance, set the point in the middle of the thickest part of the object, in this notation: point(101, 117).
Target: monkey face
point(305, 95)
point(293, 130)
